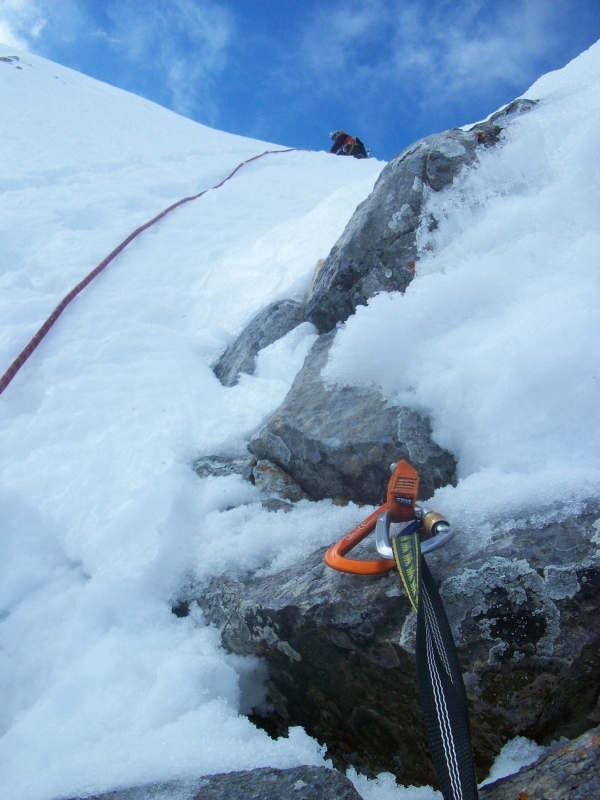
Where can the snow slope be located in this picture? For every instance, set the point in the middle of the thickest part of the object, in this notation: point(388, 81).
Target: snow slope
point(102, 520)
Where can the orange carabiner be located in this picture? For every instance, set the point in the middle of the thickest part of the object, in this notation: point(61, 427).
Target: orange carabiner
point(334, 557)
point(401, 497)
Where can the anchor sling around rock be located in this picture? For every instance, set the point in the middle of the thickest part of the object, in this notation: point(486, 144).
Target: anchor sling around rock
point(441, 688)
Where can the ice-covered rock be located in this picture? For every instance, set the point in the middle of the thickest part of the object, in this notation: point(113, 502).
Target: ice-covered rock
point(221, 466)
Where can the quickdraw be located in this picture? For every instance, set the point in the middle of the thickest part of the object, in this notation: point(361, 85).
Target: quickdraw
point(443, 698)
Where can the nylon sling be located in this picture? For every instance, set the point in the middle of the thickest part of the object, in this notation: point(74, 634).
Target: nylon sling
point(441, 687)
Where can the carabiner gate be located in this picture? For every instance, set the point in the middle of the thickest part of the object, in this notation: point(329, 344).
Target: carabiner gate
point(439, 529)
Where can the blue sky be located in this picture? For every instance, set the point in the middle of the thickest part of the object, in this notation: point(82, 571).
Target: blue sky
point(389, 71)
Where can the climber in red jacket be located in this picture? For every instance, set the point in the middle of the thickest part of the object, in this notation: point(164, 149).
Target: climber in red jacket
point(346, 145)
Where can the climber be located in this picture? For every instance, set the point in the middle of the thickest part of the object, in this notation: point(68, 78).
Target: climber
point(346, 145)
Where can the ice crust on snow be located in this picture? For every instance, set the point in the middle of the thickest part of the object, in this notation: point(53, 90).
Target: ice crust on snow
point(103, 522)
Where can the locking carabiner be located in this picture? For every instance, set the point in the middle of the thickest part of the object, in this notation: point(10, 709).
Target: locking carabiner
point(400, 507)
point(435, 528)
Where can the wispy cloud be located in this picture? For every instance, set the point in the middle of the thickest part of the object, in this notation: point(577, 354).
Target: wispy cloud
point(181, 43)
point(171, 50)
point(472, 46)
point(334, 36)
point(440, 48)
point(21, 22)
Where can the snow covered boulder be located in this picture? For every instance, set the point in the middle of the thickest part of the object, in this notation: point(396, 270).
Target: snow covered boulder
point(377, 251)
point(339, 441)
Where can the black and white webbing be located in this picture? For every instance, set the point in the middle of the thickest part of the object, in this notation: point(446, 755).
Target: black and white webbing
point(442, 692)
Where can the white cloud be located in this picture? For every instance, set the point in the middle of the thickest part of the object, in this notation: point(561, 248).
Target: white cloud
point(438, 49)
point(169, 49)
point(43, 26)
point(330, 42)
point(21, 22)
point(467, 48)
point(183, 42)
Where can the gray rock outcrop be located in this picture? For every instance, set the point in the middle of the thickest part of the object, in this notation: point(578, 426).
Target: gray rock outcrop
point(570, 771)
point(378, 250)
point(297, 783)
point(221, 466)
point(267, 327)
point(279, 490)
point(525, 611)
point(339, 442)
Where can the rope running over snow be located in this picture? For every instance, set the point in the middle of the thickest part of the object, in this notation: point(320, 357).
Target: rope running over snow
point(27, 351)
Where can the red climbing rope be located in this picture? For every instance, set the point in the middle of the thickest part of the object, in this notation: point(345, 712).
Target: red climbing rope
point(27, 351)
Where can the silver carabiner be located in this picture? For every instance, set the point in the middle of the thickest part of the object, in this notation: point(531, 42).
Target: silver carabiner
point(441, 530)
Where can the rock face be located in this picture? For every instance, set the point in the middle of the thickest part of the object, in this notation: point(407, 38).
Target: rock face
point(525, 610)
point(330, 641)
point(378, 250)
point(571, 771)
point(298, 783)
point(267, 327)
point(340, 441)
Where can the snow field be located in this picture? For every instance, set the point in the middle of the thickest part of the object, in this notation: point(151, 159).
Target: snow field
point(103, 521)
